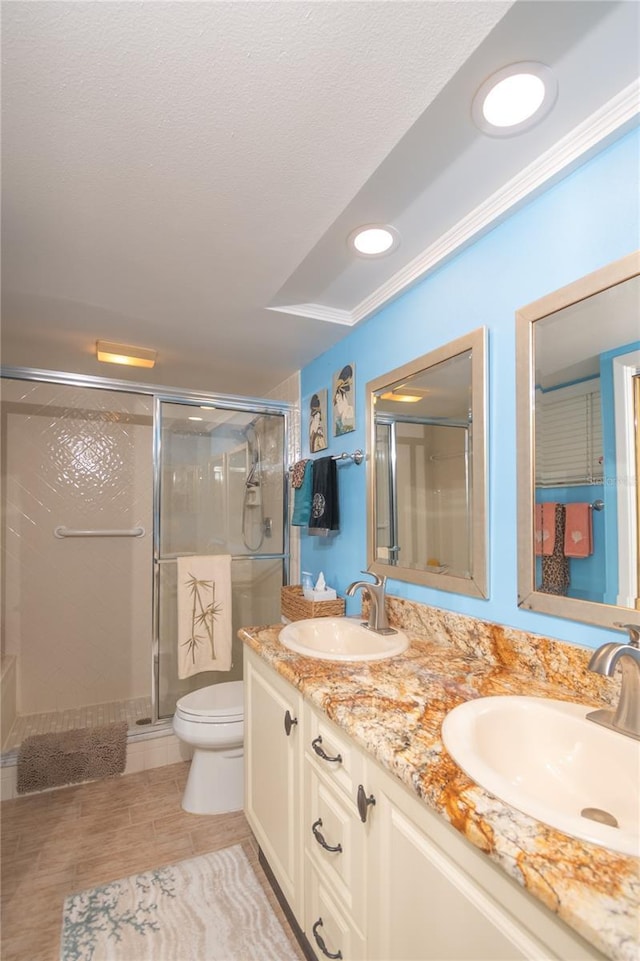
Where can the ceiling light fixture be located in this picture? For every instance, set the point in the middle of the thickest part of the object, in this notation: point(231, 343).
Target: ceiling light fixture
point(374, 240)
point(514, 99)
point(402, 398)
point(123, 354)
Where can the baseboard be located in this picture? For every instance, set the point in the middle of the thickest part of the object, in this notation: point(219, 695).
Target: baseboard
point(307, 950)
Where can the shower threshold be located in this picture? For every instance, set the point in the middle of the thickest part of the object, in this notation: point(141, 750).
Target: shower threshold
point(137, 712)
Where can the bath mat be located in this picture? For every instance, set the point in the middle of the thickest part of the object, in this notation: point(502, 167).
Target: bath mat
point(66, 757)
point(209, 908)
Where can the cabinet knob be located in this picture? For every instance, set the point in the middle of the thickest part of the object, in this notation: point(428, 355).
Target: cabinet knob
point(335, 849)
point(289, 722)
point(364, 802)
point(320, 751)
point(320, 941)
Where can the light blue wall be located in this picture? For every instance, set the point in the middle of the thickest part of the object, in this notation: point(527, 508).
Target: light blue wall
point(582, 223)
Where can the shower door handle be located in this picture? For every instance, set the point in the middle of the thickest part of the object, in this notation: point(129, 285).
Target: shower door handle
point(289, 722)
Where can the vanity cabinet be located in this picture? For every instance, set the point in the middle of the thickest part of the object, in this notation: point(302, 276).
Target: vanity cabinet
point(370, 872)
point(334, 841)
point(273, 772)
point(432, 896)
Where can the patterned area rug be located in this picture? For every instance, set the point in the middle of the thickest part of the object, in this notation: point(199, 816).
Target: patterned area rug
point(67, 757)
point(209, 908)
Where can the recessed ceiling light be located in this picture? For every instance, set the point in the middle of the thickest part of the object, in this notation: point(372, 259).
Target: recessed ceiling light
point(514, 99)
point(110, 353)
point(195, 418)
point(374, 240)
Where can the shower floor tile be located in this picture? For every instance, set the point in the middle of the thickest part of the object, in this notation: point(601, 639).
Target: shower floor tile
point(49, 722)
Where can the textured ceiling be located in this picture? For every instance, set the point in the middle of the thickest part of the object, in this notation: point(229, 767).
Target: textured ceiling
point(171, 170)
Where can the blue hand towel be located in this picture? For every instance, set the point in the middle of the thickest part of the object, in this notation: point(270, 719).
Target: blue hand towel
point(324, 505)
point(302, 498)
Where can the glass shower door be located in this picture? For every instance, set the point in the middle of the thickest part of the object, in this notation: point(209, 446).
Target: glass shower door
point(77, 518)
point(222, 491)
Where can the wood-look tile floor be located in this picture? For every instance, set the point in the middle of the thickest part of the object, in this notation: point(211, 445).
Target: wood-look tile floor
point(60, 842)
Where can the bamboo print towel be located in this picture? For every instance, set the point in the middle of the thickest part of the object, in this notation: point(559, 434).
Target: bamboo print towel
point(204, 614)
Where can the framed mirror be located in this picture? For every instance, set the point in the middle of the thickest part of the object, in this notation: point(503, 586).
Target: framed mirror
point(578, 400)
point(426, 473)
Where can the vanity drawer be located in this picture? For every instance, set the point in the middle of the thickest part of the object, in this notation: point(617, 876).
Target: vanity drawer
point(332, 753)
point(335, 840)
point(329, 932)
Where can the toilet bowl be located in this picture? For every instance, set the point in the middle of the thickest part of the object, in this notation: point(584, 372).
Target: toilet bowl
point(211, 720)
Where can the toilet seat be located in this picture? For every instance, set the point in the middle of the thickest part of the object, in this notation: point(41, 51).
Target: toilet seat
point(215, 704)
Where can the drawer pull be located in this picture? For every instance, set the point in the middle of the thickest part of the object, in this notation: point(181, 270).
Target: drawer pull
point(289, 722)
point(315, 744)
point(320, 839)
point(320, 941)
point(364, 802)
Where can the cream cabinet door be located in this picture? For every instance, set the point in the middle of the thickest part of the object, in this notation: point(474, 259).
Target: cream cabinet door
point(273, 777)
point(330, 932)
point(422, 905)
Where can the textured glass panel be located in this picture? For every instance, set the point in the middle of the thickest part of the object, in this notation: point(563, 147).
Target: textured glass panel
point(255, 590)
point(76, 611)
point(222, 481)
point(222, 492)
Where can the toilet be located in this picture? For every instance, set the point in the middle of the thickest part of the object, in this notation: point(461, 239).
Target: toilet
point(211, 720)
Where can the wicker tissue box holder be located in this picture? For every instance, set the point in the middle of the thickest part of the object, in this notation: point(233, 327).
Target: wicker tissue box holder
point(296, 607)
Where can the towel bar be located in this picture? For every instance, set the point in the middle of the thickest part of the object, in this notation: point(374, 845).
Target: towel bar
point(69, 532)
point(357, 456)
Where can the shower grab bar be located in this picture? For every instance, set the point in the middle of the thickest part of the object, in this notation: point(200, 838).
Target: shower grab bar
point(70, 532)
point(234, 557)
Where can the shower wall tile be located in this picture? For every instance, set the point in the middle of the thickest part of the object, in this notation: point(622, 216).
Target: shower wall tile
point(8, 782)
point(78, 612)
point(177, 750)
point(289, 390)
point(8, 683)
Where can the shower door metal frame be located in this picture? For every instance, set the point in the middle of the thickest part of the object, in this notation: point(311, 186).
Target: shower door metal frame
point(391, 421)
point(172, 395)
point(221, 402)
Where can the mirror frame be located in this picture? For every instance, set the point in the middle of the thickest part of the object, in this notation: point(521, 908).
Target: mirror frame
point(477, 584)
point(591, 612)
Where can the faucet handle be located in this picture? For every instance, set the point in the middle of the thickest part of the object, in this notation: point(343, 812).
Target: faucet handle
point(634, 632)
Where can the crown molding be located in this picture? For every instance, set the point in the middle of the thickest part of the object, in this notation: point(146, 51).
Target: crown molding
point(568, 151)
point(554, 163)
point(332, 315)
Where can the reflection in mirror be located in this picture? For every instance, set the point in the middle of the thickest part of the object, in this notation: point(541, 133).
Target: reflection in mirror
point(426, 480)
point(579, 357)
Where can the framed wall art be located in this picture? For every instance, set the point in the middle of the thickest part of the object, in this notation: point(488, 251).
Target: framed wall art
point(318, 428)
point(344, 404)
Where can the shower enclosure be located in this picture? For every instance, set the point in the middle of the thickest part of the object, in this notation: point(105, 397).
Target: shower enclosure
point(104, 485)
point(423, 491)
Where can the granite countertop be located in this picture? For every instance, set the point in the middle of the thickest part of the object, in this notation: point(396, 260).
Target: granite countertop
point(394, 709)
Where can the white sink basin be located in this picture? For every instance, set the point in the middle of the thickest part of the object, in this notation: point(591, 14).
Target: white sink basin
point(341, 639)
point(544, 758)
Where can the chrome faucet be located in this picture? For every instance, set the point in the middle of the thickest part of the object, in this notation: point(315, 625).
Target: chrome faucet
point(626, 717)
point(377, 614)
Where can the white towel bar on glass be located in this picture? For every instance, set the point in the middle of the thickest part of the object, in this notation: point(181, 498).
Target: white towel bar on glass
point(234, 557)
point(69, 532)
